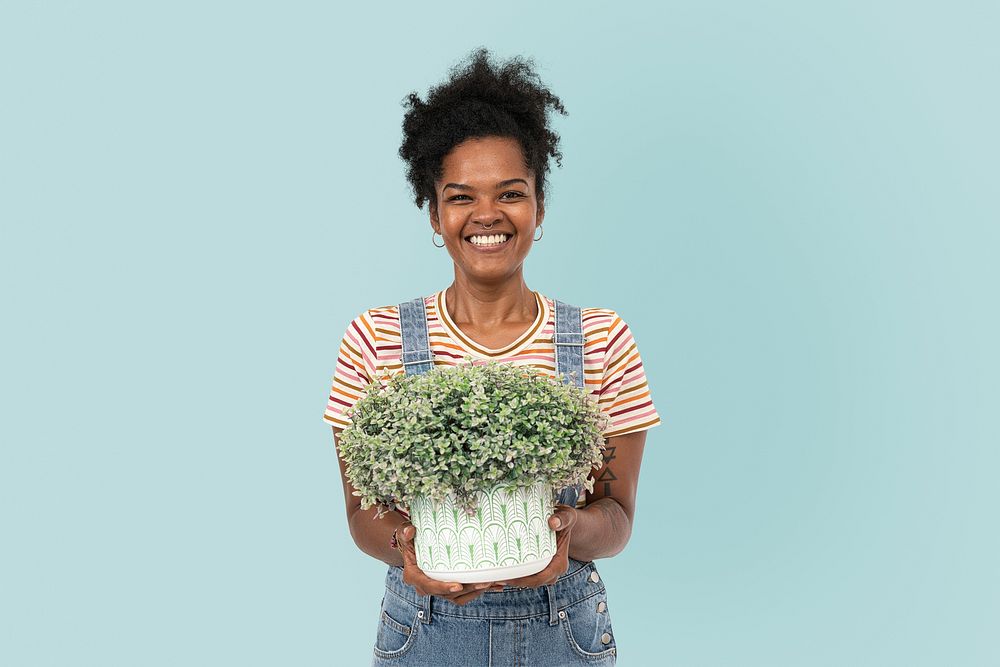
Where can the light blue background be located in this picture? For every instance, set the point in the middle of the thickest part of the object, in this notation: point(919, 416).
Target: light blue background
point(794, 205)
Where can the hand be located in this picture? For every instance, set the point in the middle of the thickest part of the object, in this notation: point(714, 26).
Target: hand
point(414, 576)
point(561, 520)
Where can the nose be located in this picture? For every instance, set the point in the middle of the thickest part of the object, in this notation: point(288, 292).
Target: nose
point(486, 212)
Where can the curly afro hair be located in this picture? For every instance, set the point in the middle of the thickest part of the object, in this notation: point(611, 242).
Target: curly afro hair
point(479, 99)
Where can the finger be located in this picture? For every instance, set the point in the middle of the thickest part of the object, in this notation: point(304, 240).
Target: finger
point(406, 546)
point(515, 581)
point(561, 518)
point(475, 590)
point(443, 588)
point(464, 598)
point(414, 575)
point(472, 590)
point(561, 557)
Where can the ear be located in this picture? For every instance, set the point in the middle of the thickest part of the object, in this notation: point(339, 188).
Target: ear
point(435, 222)
point(540, 212)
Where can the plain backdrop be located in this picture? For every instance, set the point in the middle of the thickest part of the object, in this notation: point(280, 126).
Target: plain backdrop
point(793, 204)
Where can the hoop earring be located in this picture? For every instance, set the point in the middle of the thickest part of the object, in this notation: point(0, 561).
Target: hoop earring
point(435, 244)
point(540, 235)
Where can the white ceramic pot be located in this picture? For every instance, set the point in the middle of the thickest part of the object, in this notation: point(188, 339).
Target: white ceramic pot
point(508, 536)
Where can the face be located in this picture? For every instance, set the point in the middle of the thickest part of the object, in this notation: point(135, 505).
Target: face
point(484, 181)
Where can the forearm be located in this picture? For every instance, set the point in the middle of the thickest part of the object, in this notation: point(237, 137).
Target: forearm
point(372, 535)
point(602, 530)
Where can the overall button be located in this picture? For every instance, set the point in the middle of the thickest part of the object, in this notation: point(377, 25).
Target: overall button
point(594, 576)
point(605, 638)
point(601, 606)
point(562, 614)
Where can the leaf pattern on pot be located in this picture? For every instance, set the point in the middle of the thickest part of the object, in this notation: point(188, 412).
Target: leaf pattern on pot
point(495, 541)
point(510, 527)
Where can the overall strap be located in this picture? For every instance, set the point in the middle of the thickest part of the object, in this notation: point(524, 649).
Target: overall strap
point(568, 339)
point(416, 358)
point(416, 355)
point(569, 342)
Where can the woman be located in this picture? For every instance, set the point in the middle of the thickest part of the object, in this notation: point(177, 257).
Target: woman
point(477, 152)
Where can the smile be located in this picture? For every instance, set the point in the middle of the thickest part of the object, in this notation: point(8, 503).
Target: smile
point(488, 242)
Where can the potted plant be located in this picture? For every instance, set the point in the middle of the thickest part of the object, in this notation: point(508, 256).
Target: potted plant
point(477, 453)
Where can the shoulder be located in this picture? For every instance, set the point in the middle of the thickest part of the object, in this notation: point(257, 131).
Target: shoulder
point(592, 316)
point(383, 314)
point(598, 318)
point(600, 322)
point(595, 319)
point(373, 322)
point(382, 322)
point(391, 311)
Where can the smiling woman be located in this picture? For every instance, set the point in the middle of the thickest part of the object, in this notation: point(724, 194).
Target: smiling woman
point(477, 152)
point(487, 221)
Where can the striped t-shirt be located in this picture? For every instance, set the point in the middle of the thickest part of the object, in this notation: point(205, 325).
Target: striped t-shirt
point(613, 372)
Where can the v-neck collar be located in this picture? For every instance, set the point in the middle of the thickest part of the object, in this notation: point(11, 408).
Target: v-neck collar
point(472, 346)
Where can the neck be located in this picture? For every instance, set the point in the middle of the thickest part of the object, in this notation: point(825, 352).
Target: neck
point(487, 306)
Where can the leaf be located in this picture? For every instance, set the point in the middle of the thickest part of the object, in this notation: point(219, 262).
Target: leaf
point(417, 433)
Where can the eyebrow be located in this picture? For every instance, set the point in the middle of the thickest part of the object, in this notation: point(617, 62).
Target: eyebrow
point(501, 184)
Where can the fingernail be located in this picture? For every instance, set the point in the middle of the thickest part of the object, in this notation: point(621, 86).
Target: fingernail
point(558, 522)
point(456, 587)
point(483, 585)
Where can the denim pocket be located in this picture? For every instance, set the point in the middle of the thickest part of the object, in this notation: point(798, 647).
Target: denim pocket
point(397, 627)
point(587, 627)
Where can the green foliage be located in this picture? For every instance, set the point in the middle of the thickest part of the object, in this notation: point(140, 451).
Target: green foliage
point(468, 428)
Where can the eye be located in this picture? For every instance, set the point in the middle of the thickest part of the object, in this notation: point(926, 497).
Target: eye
point(515, 193)
point(456, 197)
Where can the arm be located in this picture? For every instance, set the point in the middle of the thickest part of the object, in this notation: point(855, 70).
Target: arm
point(370, 534)
point(604, 526)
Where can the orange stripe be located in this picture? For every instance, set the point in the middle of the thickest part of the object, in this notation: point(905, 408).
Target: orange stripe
point(625, 358)
point(353, 354)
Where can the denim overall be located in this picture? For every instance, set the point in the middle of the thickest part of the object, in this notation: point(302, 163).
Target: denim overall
point(564, 623)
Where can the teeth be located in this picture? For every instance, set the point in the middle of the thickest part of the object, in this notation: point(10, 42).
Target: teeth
point(495, 239)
